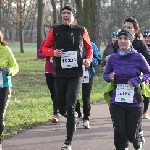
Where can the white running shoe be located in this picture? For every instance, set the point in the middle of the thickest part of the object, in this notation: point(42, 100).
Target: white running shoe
point(86, 124)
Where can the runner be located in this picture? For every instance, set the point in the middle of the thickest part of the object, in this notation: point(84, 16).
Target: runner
point(68, 42)
point(124, 71)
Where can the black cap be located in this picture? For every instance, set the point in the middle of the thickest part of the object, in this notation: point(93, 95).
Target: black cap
point(70, 9)
point(146, 33)
point(126, 33)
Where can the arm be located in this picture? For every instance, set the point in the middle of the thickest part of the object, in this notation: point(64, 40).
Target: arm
point(109, 70)
point(47, 47)
point(40, 53)
point(12, 67)
point(145, 69)
point(87, 45)
point(145, 52)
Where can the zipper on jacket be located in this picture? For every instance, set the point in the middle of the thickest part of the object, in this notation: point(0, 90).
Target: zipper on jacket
point(72, 36)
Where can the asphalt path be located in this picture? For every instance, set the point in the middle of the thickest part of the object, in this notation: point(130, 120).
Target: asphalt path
point(51, 136)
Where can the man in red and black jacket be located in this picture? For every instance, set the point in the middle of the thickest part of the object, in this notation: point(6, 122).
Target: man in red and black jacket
point(67, 52)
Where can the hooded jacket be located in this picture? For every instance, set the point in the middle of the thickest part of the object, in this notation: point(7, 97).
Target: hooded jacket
point(7, 60)
point(127, 68)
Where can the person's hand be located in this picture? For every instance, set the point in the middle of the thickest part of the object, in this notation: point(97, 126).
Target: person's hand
point(6, 69)
point(130, 83)
point(111, 76)
point(107, 57)
point(86, 62)
point(58, 52)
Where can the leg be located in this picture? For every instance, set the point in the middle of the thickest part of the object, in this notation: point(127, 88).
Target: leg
point(71, 98)
point(61, 90)
point(118, 118)
point(133, 119)
point(86, 92)
point(51, 87)
point(77, 109)
point(146, 104)
point(5, 95)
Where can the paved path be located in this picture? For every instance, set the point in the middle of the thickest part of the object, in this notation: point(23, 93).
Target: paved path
point(51, 137)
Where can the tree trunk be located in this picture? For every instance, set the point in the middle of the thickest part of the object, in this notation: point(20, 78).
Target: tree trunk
point(97, 22)
point(40, 23)
point(53, 2)
point(21, 28)
point(89, 17)
point(79, 9)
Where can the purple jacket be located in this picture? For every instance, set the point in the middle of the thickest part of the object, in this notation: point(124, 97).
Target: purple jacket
point(48, 64)
point(127, 68)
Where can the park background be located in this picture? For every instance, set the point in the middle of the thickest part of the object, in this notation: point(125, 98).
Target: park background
point(25, 23)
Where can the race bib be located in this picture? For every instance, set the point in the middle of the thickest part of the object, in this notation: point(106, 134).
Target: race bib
point(124, 93)
point(1, 79)
point(69, 59)
point(51, 59)
point(85, 77)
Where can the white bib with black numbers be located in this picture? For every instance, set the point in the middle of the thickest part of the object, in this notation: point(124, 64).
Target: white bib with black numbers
point(1, 79)
point(69, 59)
point(124, 93)
point(85, 77)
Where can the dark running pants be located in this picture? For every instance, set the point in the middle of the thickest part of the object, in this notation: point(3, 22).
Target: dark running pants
point(51, 87)
point(86, 92)
point(126, 122)
point(67, 90)
point(5, 94)
point(146, 104)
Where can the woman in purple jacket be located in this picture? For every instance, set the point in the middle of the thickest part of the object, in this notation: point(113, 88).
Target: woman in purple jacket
point(50, 82)
point(124, 69)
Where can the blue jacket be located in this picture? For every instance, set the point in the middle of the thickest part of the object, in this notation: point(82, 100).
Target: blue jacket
point(95, 61)
point(127, 68)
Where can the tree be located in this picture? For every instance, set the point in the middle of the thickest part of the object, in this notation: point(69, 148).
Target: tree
point(40, 22)
point(97, 22)
point(89, 17)
point(79, 10)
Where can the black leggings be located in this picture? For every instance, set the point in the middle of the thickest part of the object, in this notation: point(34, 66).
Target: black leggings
point(126, 122)
point(50, 84)
point(5, 94)
point(86, 92)
point(146, 104)
point(67, 90)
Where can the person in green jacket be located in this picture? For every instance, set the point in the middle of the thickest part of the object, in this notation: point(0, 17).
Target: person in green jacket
point(8, 68)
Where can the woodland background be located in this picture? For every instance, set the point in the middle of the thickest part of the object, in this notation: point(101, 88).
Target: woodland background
point(28, 21)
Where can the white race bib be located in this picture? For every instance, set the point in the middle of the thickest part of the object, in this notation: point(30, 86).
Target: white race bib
point(85, 77)
point(124, 93)
point(69, 59)
point(1, 79)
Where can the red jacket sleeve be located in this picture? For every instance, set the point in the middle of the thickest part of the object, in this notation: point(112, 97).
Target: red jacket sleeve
point(87, 45)
point(47, 48)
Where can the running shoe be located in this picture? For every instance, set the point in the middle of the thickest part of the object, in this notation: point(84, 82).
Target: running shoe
point(86, 124)
point(146, 116)
point(67, 145)
point(54, 119)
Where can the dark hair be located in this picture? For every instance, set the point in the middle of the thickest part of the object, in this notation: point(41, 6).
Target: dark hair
point(1, 39)
point(135, 25)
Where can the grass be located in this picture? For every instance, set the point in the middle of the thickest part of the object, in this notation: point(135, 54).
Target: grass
point(30, 104)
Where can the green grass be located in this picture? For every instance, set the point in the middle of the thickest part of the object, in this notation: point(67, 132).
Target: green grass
point(30, 104)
